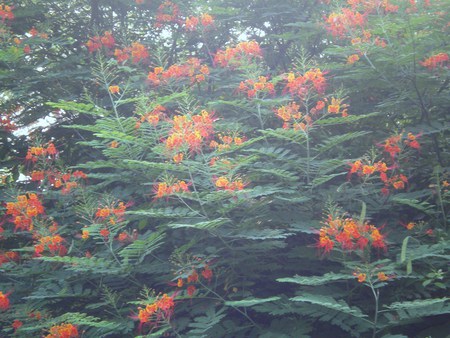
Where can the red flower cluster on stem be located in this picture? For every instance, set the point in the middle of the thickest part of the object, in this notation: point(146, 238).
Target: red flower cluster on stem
point(349, 234)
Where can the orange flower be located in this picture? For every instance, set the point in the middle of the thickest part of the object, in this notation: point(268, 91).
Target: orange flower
point(178, 158)
point(368, 169)
point(206, 20)
point(191, 23)
point(123, 236)
point(361, 277)
point(4, 301)
point(37, 175)
point(113, 89)
point(180, 282)
point(382, 277)
point(138, 52)
point(85, 234)
point(352, 59)
point(438, 60)
point(63, 331)
point(222, 182)
point(325, 243)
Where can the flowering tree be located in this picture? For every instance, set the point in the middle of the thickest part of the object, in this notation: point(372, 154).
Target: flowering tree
point(202, 178)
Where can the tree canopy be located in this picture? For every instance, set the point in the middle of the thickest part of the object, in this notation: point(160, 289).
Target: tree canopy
point(224, 168)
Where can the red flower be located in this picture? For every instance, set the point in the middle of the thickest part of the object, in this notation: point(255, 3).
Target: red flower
point(16, 324)
point(191, 290)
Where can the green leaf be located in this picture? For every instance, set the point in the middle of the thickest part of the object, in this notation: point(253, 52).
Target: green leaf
point(250, 301)
point(316, 280)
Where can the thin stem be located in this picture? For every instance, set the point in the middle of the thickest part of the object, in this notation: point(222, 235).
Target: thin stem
point(196, 193)
point(376, 295)
point(237, 309)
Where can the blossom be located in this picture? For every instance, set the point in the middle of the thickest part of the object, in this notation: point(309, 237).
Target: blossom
point(361, 277)
point(343, 24)
point(113, 89)
point(207, 273)
point(4, 301)
point(191, 290)
point(104, 233)
point(300, 85)
point(434, 61)
point(97, 42)
point(164, 189)
point(231, 56)
point(224, 183)
point(6, 12)
point(63, 331)
point(54, 244)
point(85, 234)
point(352, 59)
point(138, 52)
point(16, 324)
point(382, 277)
point(349, 234)
point(162, 307)
point(167, 12)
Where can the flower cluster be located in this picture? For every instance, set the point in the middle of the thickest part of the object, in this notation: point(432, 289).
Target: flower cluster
point(252, 88)
point(54, 244)
point(40, 152)
point(160, 310)
point(189, 131)
point(192, 22)
point(192, 69)
point(137, 52)
point(8, 256)
point(152, 117)
point(66, 181)
point(4, 301)
point(63, 331)
point(17, 324)
point(226, 142)
point(366, 169)
point(292, 117)
point(349, 234)
point(97, 42)
point(342, 24)
point(223, 183)
point(193, 278)
point(301, 85)
point(232, 56)
point(6, 12)
point(372, 276)
point(388, 174)
point(438, 60)
point(337, 107)
point(165, 189)
point(167, 12)
point(24, 211)
point(352, 59)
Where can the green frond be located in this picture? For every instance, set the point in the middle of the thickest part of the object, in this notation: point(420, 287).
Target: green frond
point(84, 264)
point(140, 248)
point(316, 280)
point(85, 108)
point(417, 309)
point(249, 302)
